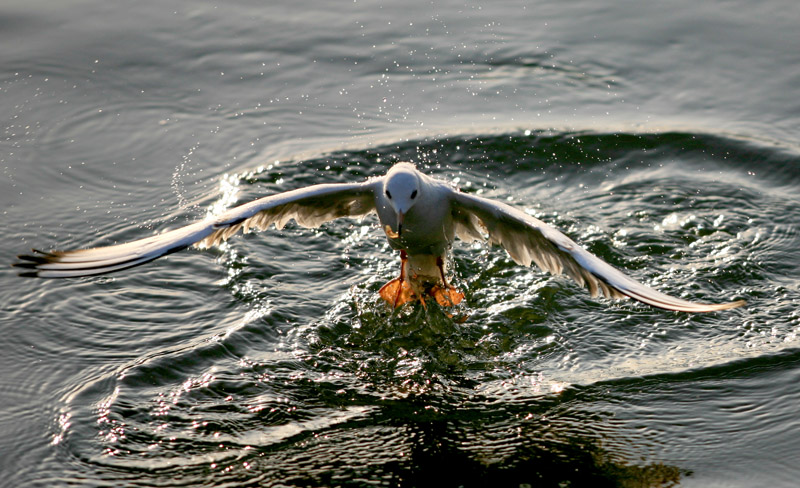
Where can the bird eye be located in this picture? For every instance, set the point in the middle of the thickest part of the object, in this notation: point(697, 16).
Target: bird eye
point(414, 194)
point(388, 194)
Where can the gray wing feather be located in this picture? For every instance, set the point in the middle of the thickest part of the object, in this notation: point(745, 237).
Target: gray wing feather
point(310, 207)
point(529, 240)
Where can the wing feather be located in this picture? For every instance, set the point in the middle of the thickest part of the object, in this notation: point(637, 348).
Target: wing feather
point(310, 207)
point(529, 240)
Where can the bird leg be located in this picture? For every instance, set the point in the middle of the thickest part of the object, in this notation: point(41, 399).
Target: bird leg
point(446, 295)
point(398, 291)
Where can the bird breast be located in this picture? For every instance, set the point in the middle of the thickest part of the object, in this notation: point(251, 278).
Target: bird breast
point(427, 228)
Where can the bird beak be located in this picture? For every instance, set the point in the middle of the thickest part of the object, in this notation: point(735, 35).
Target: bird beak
point(388, 228)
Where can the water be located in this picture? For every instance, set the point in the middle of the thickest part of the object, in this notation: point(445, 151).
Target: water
point(663, 137)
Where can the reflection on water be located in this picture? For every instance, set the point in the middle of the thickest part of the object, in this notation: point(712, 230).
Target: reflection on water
point(351, 407)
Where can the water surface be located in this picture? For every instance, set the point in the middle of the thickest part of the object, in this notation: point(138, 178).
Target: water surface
point(663, 138)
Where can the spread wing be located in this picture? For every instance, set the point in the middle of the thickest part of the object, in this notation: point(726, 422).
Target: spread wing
point(309, 207)
point(528, 239)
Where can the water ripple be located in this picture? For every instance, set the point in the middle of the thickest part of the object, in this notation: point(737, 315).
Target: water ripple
point(227, 364)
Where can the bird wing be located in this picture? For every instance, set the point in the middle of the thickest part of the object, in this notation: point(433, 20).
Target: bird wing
point(309, 207)
point(528, 239)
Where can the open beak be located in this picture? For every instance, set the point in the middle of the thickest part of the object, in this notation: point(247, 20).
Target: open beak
point(388, 228)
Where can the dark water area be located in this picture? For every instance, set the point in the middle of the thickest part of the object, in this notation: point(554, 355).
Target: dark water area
point(663, 137)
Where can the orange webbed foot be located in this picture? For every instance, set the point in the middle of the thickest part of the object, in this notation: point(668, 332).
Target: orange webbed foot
point(446, 297)
point(397, 292)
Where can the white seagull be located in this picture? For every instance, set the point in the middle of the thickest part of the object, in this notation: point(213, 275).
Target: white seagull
point(421, 217)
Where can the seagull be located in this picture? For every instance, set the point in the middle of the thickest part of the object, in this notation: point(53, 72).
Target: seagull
point(421, 217)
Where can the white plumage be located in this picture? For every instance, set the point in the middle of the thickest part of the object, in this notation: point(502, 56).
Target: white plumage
point(421, 217)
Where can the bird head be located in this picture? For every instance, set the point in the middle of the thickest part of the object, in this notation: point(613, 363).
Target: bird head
point(401, 191)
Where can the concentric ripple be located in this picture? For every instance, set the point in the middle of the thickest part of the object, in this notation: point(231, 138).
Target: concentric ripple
point(281, 365)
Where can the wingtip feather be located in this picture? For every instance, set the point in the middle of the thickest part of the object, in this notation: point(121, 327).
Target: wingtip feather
point(730, 305)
